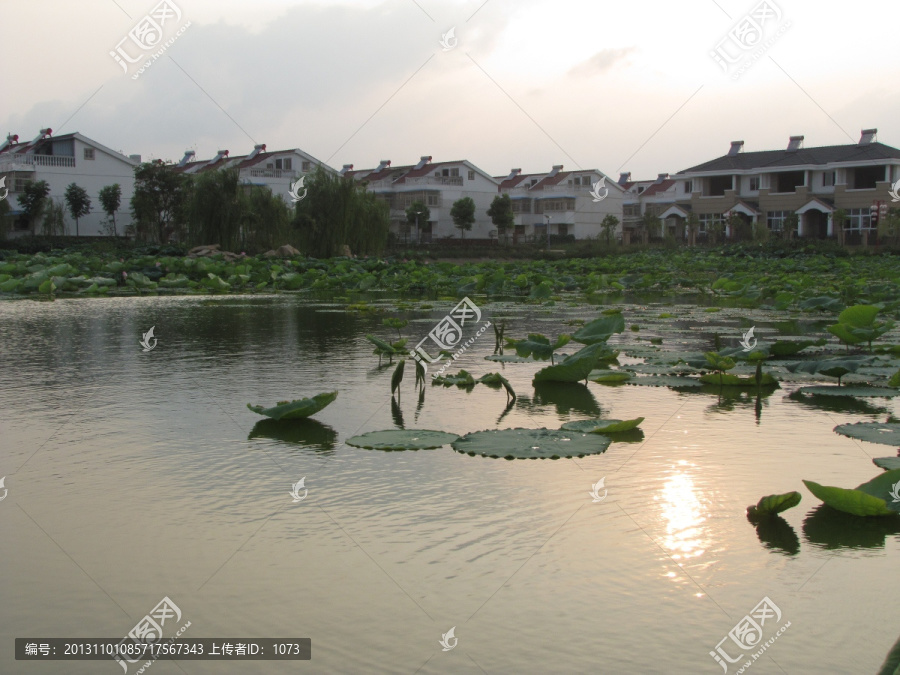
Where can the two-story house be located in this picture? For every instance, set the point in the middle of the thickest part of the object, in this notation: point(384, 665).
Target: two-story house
point(61, 161)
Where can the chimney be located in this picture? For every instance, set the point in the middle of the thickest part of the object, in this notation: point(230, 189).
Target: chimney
point(555, 170)
point(256, 150)
point(513, 173)
point(423, 160)
point(736, 147)
point(385, 163)
point(136, 158)
point(867, 136)
point(222, 154)
point(624, 177)
point(661, 177)
point(11, 139)
point(347, 167)
point(188, 155)
point(795, 143)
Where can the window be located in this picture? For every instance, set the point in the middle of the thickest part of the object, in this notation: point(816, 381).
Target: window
point(775, 220)
point(828, 178)
point(454, 172)
point(432, 200)
point(640, 190)
point(545, 205)
point(859, 219)
point(445, 172)
point(688, 186)
point(787, 181)
point(471, 175)
point(521, 206)
point(562, 230)
point(286, 165)
point(865, 177)
point(89, 153)
point(754, 183)
point(534, 181)
point(718, 185)
point(710, 220)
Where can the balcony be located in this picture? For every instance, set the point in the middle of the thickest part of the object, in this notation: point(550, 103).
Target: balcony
point(435, 180)
point(271, 173)
point(25, 162)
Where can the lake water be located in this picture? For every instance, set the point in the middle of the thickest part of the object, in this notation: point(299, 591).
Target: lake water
point(134, 476)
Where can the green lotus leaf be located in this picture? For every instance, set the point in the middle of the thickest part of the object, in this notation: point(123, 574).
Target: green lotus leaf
point(893, 382)
point(860, 316)
point(603, 426)
point(290, 410)
point(823, 303)
point(887, 463)
point(531, 443)
point(673, 381)
point(381, 347)
point(402, 439)
point(833, 367)
point(397, 377)
point(508, 358)
point(537, 346)
point(773, 504)
point(857, 391)
point(877, 497)
point(789, 347)
point(726, 380)
point(844, 333)
point(573, 368)
point(600, 330)
point(608, 377)
point(497, 380)
point(886, 433)
point(461, 379)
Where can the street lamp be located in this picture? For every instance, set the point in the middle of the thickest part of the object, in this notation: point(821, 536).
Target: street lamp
point(548, 230)
point(418, 213)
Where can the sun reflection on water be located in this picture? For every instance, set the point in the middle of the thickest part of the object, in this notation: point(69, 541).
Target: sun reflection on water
point(684, 515)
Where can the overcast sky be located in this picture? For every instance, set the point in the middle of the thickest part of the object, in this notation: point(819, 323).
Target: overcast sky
point(617, 86)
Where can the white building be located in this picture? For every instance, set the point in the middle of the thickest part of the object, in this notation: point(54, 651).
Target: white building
point(60, 161)
point(568, 202)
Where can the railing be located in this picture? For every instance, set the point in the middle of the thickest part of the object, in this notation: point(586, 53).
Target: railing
point(271, 173)
point(435, 180)
point(36, 160)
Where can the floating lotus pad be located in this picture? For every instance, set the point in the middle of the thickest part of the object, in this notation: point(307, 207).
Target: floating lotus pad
point(603, 426)
point(887, 463)
point(877, 497)
point(402, 439)
point(297, 409)
point(862, 392)
point(531, 443)
point(727, 380)
point(608, 377)
point(772, 505)
point(887, 433)
point(665, 381)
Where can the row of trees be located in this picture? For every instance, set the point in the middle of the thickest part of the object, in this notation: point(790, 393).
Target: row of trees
point(37, 206)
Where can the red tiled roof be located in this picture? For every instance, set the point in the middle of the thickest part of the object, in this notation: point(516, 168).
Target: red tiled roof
point(658, 187)
point(424, 171)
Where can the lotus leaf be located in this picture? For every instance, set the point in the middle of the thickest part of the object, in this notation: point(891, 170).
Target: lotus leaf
point(877, 497)
point(725, 380)
point(531, 443)
point(608, 377)
point(402, 439)
point(289, 410)
point(886, 433)
point(537, 346)
point(887, 463)
point(461, 379)
point(603, 426)
point(665, 381)
point(397, 377)
point(858, 391)
point(573, 368)
point(773, 505)
point(600, 330)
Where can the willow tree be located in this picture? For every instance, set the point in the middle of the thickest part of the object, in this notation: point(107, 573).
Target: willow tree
point(216, 208)
point(337, 211)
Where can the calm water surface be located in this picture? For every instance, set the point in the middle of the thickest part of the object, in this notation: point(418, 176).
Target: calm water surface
point(133, 476)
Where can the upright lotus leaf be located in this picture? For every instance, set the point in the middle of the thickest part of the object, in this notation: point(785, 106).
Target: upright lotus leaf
point(718, 362)
point(891, 665)
point(877, 497)
point(773, 505)
point(573, 368)
point(496, 379)
point(531, 443)
point(859, 316)
point(833, 367)
point(461, 379)
point(299, 408)
point(382, 348)
point(541, 291)
point(538, 346)
point(397, 377)
point(402, 439)
point(420, 374)
point(857, 324)
point(886, 433)
point(895, 380)
point(603, 426)
point(789, 348)
point(600, 330)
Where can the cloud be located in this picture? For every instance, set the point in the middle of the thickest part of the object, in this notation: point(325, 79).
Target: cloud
point(601, 62)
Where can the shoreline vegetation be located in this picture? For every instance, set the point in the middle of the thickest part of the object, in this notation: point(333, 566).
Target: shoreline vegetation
point(794, 275)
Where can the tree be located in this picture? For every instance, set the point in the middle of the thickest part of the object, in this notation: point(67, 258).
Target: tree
point(32, 200)
point(110, 201)
point(159, 202)
point(740, 228)
point(790, 226)
point(54, 218)
point(463, 214)
point(501, 213)
point(337, 211)
point(609, 225)
point(78, 202)
point(215, 209)
point(417, 213)
point(652, 225)
point(838, 219)
point(693, 228)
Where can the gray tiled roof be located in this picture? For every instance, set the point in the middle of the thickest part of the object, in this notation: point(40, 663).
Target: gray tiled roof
point(744, 161)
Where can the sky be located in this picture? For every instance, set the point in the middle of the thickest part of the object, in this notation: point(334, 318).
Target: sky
point(615, 86)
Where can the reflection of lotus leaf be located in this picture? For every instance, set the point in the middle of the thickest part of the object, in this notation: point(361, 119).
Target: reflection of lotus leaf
point(306, 432)
point(601, 426)
point(289, 410)
point(830, 529)
point(859, 391)
point(531, 443)
point(872, 498)
point(777, 535)
point(887, 433)
point(402, 439)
